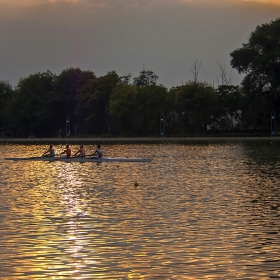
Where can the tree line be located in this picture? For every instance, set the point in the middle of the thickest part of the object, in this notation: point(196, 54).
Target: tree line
point(114, 105)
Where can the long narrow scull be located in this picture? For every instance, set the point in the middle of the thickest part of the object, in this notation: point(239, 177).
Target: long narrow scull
point(82, 159)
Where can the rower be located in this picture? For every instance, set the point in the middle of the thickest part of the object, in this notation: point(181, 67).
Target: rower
point(67, 152)
point(81, 151)
point(98, 152)
point(49, 153)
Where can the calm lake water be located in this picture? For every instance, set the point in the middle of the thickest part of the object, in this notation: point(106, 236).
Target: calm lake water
point(200, 211)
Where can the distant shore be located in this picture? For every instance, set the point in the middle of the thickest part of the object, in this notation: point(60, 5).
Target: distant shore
point(133, 139)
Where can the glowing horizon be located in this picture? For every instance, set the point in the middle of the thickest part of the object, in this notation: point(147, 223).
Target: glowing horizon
point(103, 2)
point(123, 35)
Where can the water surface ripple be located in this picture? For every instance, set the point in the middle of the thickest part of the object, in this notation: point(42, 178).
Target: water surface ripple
point(200, 211)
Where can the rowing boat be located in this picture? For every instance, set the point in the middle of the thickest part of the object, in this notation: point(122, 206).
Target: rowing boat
point(82, 159)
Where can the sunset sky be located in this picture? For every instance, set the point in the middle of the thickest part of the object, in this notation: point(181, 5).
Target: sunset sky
point(165, 36)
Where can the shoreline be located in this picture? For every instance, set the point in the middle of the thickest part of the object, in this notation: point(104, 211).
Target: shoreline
point(135, 139)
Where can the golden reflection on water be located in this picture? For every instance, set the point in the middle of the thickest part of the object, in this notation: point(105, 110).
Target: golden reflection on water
point(200, 211)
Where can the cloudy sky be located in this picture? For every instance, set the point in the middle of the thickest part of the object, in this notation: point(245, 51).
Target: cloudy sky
point(165, 36)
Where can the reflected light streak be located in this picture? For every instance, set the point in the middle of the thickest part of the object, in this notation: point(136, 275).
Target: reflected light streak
point(74, 208)
point(67, 201)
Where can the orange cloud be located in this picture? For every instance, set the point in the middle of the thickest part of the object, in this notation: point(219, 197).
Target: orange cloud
point(275, 2)
point(98, 3)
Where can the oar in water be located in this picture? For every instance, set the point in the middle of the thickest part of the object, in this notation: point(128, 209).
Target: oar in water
point(81, 152)
point(50, 151)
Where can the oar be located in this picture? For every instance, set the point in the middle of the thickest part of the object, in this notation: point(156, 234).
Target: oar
point(48, 151)
point(76, 154)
